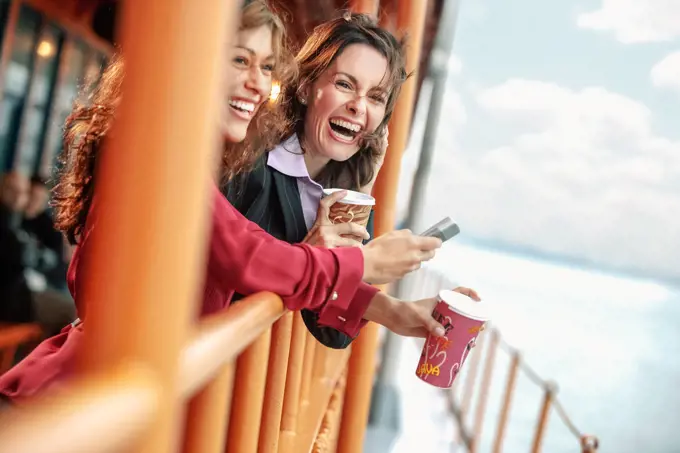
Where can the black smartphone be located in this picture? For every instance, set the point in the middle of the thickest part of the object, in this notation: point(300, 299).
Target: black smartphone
point(445, 229)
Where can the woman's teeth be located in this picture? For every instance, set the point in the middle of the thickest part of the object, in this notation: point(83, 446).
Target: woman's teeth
point(243, 105)
point(347, 125)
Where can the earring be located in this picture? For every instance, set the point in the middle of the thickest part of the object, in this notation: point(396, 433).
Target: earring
point(303, 101)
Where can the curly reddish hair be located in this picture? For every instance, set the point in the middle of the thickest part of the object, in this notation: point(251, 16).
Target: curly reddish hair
point(89, 122)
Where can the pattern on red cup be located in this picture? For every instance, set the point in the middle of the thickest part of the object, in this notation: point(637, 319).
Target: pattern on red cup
point(442, 357)
point(345, 213)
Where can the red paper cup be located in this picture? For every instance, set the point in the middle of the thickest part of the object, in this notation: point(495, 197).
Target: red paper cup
point(442, 357)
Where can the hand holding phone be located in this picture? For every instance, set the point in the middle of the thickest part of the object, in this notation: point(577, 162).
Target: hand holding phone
point(445, 229)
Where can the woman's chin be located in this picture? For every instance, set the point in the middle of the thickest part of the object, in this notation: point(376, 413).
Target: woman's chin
point(343, 153)
point(233, 133)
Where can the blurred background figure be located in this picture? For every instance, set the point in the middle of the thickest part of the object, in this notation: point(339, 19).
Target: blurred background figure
point(33, 259)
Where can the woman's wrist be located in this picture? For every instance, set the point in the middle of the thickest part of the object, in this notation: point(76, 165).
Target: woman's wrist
point(381, 308)
point(368, 265)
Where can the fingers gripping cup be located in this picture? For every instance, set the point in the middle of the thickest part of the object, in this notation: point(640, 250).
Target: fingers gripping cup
point(442, 357)
point(355, 207)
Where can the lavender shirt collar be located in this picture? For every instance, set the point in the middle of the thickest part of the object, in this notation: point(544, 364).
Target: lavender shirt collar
point(287, 158)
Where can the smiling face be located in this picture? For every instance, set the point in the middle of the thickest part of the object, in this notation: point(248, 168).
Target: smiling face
point(250, 80)
point(347, 101)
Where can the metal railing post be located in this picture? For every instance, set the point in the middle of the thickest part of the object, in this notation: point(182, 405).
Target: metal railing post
point(542, 421)
point(147, 252)
point(484, 390)
point(507, 402)
point(276, 385)
point(248, 397)
point(208, 415)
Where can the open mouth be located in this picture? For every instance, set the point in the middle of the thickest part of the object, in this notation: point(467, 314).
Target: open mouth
point(344, 130)
point(245, 108)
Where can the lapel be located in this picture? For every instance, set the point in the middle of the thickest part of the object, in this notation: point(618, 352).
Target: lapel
point(271, 199)
point(288, 196)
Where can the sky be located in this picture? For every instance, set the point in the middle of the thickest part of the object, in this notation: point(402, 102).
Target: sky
point(559, 132)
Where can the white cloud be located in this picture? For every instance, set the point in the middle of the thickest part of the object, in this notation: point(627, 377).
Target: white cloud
point(635, 21)
point(581, 173)
point(455, 64)
point(666, 73)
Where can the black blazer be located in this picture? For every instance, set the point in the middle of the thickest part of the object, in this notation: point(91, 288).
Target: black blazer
point(272, 200)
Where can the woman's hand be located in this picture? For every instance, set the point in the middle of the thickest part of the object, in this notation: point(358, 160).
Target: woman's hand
point(409, 319)
point(395, 254)
point(471, 293)
point(324, 234)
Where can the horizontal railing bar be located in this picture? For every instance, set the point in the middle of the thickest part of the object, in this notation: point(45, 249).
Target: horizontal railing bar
point(15, 334)
point(221, 337)
point(103, 413)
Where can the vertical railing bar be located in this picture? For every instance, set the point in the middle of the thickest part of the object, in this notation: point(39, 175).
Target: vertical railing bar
point(507, 402)
point(248, 397)
point(484, 390)
point(320, 365)
point(471, 379)
point(276, 384)
point(208, 415)
point(307, 369)
point(542, 421)
point(164, 112)
point(291, 410)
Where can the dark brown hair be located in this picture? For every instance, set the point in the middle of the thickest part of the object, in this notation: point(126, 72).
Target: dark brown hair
point(323, 46)
point(91, 120)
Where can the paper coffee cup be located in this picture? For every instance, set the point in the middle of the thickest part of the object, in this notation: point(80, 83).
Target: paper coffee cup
point(355, 207)
point(442, 357)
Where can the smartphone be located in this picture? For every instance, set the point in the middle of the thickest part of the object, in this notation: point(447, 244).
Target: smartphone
point(445, 229)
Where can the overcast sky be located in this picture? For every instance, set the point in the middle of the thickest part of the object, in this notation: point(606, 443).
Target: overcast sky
point(561, 131)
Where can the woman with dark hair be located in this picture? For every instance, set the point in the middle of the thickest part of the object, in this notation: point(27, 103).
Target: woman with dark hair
point(333, 134)
point(241, 257)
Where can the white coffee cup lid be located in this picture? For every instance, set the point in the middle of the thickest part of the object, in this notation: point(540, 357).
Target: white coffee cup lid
point(353, 197)
point(464, 305)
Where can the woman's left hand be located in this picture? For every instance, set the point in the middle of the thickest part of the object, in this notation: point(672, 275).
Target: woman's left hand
point(410, 319)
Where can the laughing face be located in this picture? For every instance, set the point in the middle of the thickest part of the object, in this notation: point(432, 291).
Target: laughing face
point(250, 80)
point(346, 102)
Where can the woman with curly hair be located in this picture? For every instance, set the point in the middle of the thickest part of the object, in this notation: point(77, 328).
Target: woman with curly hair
point(241, 257)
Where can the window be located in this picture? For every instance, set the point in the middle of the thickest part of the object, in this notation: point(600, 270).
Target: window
point(17, 79)
point(66, 94)
point(36, 112)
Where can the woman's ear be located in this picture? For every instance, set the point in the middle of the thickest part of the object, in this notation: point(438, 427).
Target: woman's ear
point(303, 94)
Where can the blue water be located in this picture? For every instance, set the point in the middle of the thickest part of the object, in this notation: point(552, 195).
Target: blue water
point(611, 343)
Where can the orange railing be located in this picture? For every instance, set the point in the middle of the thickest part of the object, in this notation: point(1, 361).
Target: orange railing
point(253, 374)
point(11, 337)
point(111, 411)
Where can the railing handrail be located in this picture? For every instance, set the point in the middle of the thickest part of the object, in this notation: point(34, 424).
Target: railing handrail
point(588, 443)
point(12, 335)
point(120, 400)
point(222, 336)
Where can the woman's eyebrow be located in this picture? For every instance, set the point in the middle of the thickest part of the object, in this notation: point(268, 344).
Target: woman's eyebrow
point(247, 49)
point(379, 88)
point(252, 52)
point(349, 76)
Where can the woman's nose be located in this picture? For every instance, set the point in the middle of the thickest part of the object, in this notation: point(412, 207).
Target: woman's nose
point(357, 106)
point(256, 81)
